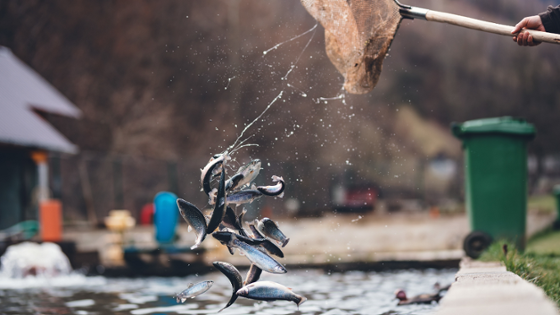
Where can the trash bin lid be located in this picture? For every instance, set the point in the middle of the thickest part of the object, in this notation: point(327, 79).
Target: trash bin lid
point(500, 125)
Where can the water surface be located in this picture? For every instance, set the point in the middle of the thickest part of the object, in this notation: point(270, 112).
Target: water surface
point(354, 292)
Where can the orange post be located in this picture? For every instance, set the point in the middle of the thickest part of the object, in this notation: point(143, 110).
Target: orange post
point(50, 212)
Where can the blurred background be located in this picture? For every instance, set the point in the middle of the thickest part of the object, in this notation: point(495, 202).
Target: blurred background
point(154, 89)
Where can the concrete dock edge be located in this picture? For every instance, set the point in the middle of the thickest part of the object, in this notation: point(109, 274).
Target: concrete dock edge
point(488, 288)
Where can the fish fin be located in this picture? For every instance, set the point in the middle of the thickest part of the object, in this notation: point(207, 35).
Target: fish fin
point(301, 300)
point(194, 246)
point(189, 228)
point(281, 195)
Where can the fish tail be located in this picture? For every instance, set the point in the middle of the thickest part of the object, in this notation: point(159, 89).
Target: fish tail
point(301, 300)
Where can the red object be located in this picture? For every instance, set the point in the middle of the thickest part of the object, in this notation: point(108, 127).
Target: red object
point(147, 214)
point(360, 197)
point(50, 212)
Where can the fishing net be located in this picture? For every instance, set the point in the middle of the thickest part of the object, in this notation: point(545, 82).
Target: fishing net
point(358, 34)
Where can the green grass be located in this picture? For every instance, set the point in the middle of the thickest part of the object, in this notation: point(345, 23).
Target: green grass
point(541, 269)
point(546, 243)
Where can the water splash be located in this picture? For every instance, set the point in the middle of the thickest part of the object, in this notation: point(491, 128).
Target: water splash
point(229, 81)
point(31, 259)
point(28, 265)
point(340, 96)
point(289, 40)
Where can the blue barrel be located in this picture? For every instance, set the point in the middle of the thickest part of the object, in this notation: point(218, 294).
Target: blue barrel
point(166, 215)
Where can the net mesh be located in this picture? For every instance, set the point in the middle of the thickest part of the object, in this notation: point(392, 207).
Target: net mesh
point(358, 34)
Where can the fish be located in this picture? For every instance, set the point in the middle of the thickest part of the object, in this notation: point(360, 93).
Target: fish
point(269, 246)
point(233, 222)
point(234, 277)
point(193, 290)
point(276, 190)
point(230, 219)
point(233, 182)
point(226, 237)
point(245, 175)
point(255, 256)
point(270, 291)
point(220, 207)
point(240, 222)
point(267, 227)
point(194, 218)
point(244, 196)
point(253, 274)
point(213, 168)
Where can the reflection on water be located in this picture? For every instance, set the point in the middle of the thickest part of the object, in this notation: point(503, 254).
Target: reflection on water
point(337, 293)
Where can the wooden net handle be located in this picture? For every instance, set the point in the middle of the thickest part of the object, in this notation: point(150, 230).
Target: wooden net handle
point(488, 27)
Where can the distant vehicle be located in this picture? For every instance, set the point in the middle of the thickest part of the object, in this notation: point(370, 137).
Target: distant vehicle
point(358, 198)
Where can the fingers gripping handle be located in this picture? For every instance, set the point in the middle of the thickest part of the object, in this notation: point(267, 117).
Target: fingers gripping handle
point(479, 25)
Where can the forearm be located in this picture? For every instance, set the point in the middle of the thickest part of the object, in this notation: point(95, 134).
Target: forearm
point(551, 19)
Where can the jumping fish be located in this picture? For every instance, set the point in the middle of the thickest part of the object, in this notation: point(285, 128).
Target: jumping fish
point(245, 175)
point(234, 277)
point(269, 246)
point(240, 222)
point(214, 167)
point(194, 218)
point(226, 237)
point(253, 274)
point(233, 182)
point(267, 227)
point(270, 291)
point(276, 190)
point(220, 207)
point(231, 221)
point(255, 256)
point(244, 196)
point(193, 290)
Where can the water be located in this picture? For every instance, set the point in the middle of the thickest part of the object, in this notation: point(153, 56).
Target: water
point(354, 292)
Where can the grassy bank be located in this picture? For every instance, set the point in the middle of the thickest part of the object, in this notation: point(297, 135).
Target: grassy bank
point(540, 264)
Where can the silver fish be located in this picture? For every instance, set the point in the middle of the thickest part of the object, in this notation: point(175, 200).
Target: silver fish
point(220, 207)
point(267, 227)
point(233, 182)
point(233, 222)
point(269, 246)
point(213, 168)
point(193, 290)
point(234, 277)
point(276, 190)
point(194, 218)
point(244, 196)
point(253, 274)
point(257, 257)
point(248, 173)
point(270, 291)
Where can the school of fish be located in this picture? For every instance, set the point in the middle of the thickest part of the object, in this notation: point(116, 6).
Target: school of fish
point(258, 244)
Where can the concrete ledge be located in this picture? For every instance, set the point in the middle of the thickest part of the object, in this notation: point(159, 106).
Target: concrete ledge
point(487, 288)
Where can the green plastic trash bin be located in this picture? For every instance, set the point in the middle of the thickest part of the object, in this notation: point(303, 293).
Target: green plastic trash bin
point(556, 192)
point(495, 179)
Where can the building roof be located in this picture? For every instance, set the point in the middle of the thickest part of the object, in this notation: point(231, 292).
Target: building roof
point(21, 91)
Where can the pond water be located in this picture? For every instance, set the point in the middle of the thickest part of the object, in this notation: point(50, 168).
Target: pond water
point(355, 292)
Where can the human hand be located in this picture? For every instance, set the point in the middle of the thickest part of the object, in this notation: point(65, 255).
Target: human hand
point(525, 39)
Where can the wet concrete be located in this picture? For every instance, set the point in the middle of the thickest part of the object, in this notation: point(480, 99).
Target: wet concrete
point(487, 288)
